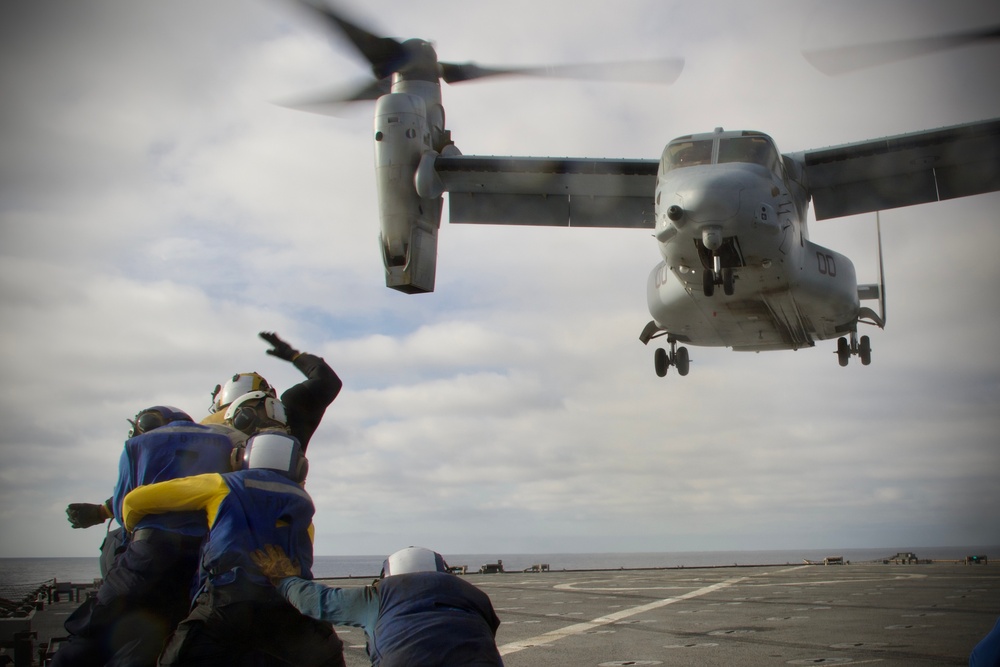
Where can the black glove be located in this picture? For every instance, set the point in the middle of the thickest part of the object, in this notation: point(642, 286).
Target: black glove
point(282, 350)
point(85, 515)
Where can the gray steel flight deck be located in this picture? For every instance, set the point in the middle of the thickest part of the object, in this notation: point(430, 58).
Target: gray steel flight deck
point(890, 615)
point(854, 614)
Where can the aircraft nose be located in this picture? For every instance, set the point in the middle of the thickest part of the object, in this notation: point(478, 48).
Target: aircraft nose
point(715, 201)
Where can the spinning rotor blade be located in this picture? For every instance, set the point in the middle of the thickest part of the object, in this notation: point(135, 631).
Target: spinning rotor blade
point(415, 59)
point(385, 54)
point(330, 101)
point(663, 71)
point(840, 60)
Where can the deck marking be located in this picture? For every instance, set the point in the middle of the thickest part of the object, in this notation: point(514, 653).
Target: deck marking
point(570, 630)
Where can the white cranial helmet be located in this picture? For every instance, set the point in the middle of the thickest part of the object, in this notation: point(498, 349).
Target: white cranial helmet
point(273, 450)
point(255, 411)
point(413, 559)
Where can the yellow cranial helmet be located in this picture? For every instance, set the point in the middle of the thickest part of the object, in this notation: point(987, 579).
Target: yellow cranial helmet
point(239, 384)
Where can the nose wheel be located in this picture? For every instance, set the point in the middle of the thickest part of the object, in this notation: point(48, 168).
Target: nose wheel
point(678, 357)
point(861, 347)
point(718, 276)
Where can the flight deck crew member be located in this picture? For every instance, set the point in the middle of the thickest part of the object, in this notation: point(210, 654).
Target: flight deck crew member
point(305, 402)
point(148, 589)
point(238, 613)
point(417, 613)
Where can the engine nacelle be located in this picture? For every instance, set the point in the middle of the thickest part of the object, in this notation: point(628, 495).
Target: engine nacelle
point(828, 284)
point(409, 222)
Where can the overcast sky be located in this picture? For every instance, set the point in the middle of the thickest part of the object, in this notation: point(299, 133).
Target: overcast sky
point(158, 208)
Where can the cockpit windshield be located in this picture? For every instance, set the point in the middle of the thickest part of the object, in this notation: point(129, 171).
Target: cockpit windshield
point(753, 148)
point(757, 150)
point(688, 153)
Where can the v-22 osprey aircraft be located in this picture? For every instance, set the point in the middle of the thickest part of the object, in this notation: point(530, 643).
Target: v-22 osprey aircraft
point(727, 209)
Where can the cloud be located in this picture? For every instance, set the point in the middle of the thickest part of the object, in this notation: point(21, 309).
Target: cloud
point(158, 209)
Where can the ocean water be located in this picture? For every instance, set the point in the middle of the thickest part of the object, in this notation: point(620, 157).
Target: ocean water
point(21, 572)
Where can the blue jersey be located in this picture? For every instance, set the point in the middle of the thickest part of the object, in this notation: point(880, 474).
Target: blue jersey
point(179, 449)
point(262, 507)
point(433, 618)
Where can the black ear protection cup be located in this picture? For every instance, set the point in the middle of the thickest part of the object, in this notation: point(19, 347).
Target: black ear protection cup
point(146, 421)
point(237, 456)
point(245, 419)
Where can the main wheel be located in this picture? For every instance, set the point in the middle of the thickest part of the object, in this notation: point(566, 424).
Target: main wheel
point(728, 286)
point(865, 350)
point(843, 351)
point(681, 361)
point(660, 361)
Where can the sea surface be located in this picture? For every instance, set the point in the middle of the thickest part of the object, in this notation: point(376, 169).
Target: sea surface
point(21, 572)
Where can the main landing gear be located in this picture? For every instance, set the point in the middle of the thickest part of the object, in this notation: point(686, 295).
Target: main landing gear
point(678, 356)
point(861, 347)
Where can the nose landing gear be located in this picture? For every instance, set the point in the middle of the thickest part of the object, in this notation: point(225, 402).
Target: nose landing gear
point(861, 347)
point(725, 277)
point(678, 356)
point(717, 276)
point(713, 247)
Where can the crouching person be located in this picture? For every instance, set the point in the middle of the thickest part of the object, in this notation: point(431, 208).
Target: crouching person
point(238, 613)
point(416, 613)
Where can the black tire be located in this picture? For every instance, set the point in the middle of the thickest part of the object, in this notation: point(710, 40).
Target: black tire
point(708, 282)
point(728, 282)
point(682, 361)
point(660, 362)
point(843, 351)
point(865, 350)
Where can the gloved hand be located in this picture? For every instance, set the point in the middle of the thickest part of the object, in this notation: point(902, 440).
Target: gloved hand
point(282, 350)
point(274, 563)
point(85, 515)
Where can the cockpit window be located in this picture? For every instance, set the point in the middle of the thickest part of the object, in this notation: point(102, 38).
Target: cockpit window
point(757, 150)
point(688, 153)
point(751, 148)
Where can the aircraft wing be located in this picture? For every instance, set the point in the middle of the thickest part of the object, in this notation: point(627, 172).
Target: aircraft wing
point(562, 192)
point(903, 170)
